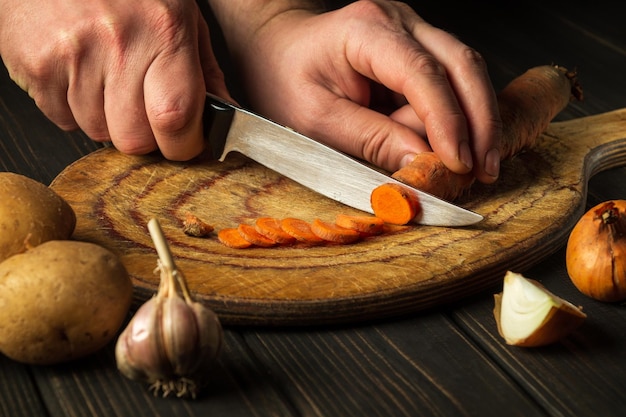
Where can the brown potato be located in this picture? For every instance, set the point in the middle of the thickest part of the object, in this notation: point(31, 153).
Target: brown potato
point(30, 214)
point(60, 301)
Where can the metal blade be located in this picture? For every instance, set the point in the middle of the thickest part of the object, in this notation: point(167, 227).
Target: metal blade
point(313, 164)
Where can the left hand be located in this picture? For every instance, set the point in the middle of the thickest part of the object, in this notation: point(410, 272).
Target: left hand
point(376, 81)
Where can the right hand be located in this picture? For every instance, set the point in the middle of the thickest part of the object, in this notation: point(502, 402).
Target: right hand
point(131, 72)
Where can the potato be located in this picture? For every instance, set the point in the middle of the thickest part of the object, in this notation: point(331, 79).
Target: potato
point(30, 214)
point(60, 301)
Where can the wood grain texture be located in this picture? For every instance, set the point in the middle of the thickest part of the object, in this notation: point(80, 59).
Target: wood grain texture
point(528, 214)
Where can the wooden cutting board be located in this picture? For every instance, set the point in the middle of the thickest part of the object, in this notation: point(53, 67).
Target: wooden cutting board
point(528, 215)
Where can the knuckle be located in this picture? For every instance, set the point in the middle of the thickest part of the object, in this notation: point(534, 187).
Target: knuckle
point(369, 8)
point(473, 58)
point(426, 64)
point(169, 117)
point(168, 20)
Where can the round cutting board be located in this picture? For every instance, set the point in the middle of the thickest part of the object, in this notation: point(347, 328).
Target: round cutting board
point(528, 214)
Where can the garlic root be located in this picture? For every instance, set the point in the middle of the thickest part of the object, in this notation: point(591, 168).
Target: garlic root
point(172, 340)
point(529, 315)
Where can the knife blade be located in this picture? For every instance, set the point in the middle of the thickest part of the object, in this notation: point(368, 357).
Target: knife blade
point(311, 163)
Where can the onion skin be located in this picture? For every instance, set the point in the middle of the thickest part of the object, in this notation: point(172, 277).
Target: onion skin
point(596, 252)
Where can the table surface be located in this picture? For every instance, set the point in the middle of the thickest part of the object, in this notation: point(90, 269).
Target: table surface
point(445, 361)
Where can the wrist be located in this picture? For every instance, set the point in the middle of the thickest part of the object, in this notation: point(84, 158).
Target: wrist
point(241, 21)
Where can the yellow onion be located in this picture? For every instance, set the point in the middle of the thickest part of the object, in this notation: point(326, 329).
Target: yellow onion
point(172, 340)
point(596, 252)
point(529, 315)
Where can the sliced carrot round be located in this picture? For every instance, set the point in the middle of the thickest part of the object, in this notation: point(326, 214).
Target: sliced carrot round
point(334, 233)
point(394, 203)
point(367, 225)
point(232, 238)
point(301, 230)
point(270, 228)
point(250, 234)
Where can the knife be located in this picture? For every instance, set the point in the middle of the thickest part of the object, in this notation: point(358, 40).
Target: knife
point(311, 163)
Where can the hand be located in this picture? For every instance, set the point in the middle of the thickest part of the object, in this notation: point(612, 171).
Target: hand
point(132, 72)
point(376, 81)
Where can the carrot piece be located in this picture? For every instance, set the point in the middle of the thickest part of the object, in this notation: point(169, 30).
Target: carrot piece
point(301, 230)
point(193, 226)
point(232, 238)
point(394, 203)
point(366, 225)
point(270, 228)
point(527, 106)
point(334, 233)
point(249, 233)
point(428, 173)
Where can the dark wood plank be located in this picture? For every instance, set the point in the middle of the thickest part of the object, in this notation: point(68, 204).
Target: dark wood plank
point(418, 366)
point(238, 386)
point(18, 395)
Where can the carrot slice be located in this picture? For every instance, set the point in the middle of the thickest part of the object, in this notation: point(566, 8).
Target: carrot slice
point(249, 233)
point(366, 225)
point(232, 238)
point(270, 228)
point(394, 203)
point(334, 233)
point(301, 230)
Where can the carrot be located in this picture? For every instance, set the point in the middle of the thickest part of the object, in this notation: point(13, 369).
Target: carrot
point(193, 226)
point(232, 238)
point(334, 233)
point(301, 230)
point(250, 234)
point(270, 228)
point(394, 203)
point(527, 106)
point(366, 225)
point(428, 173)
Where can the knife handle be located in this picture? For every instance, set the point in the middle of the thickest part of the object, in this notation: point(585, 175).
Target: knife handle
point(217, 119)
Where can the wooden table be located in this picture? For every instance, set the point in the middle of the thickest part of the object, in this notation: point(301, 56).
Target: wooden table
point(445, 361)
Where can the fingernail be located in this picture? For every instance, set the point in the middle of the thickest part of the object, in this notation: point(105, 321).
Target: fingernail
point(465, 155)
point(407, 159)
point(492, 163)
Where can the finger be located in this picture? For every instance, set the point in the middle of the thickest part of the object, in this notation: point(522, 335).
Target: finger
point(406, 116)
point(370, 135)
point(54, 105)
point(469, 78)
point(49, 91)
point(397, 61)
point(212, 73)
point(125, 113)
point(85, 97)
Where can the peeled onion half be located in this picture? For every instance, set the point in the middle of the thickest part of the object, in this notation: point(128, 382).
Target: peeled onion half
point(529, 315)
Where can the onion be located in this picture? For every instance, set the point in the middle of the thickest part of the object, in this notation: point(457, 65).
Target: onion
point(529, 315)
point(596, 252)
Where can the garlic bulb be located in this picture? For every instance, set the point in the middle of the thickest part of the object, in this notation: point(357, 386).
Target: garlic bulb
point(172, 340)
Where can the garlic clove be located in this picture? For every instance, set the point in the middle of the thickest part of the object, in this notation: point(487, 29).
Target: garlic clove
point(139, 351)
point(211, 333)
point(181, 335)
point(529, 315)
